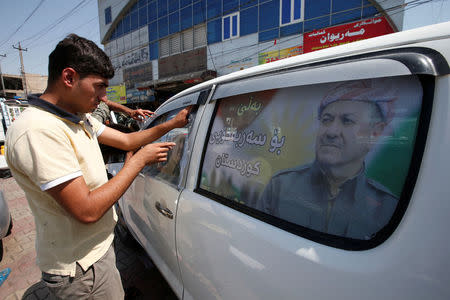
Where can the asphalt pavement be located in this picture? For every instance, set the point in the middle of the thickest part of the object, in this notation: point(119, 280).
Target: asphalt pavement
point(140, 278)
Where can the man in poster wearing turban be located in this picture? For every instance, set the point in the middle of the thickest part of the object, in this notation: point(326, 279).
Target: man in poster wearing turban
point(333, 194)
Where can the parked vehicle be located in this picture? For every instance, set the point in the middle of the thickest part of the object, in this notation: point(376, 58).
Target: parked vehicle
point(321, 176)
point(5, 222)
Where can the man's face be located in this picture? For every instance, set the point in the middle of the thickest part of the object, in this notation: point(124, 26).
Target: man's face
point(89, 91)
point(345, 132)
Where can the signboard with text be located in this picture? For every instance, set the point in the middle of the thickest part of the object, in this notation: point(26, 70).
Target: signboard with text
point(270, 56)
point(116, 93)
point(347, 33)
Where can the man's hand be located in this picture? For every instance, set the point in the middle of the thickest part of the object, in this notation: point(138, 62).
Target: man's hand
point(140, 114)
point(153, 153)
point(181, 119)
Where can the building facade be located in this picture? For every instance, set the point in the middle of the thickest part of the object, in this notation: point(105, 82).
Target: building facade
point(160, 47)
point(13, 86)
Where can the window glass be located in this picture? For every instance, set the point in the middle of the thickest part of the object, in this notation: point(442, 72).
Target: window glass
point(153, 31)
point(143, 16)
point(248, 21)
point(199, 12)
point(186, 17)
point(247, 3)
point(162, 8)
point(344, 5)
point(268, 35)
point(152, 11)
point(185, 2)
point(170, 170)
point(331, 157)
point(230, 6)
point(174, 22)
point(214, 8)
point(108, 15)
point(345, 17)
point(134, 21)
point(317, 8)
point(291, 11)
point(269, 15)
point(153, 51)
point(126, 24)
point(214, 31)
point(163, 28)
point(174, 5)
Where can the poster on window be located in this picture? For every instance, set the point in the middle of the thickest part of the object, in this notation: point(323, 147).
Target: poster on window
point(332, 157)
point(347, 33)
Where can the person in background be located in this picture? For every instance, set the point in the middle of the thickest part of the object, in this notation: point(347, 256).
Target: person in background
point(53, 152)
point(103, 111)
point(333, 194)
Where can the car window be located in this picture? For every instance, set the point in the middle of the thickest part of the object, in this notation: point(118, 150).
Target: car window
point(328, 158)
point(170, 171)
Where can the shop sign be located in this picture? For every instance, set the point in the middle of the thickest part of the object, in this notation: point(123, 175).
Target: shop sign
point(136, 74)
point(270, 56)
point(116, 93)
point(347, 33)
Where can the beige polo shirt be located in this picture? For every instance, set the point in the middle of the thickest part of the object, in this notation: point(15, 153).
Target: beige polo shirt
point(45, 147)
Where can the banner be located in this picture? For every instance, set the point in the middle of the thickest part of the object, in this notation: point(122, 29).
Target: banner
point(270, 56)
point(116, 93)
point(347, 33)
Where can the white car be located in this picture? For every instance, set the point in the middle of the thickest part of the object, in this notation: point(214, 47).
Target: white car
point(321, 176)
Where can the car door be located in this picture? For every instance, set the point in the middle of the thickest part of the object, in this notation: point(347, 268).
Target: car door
point(150, 204)
point(260, 136)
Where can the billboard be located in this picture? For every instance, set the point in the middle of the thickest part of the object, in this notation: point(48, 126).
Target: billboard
point(347, 33)
point(116, 93)
point(270, 56)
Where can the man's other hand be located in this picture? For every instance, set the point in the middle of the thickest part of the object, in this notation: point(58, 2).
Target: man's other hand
point(181, 119)
point(154, 153)
point(140, 114)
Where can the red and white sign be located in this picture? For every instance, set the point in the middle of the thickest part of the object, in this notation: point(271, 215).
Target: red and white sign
point(347, 33)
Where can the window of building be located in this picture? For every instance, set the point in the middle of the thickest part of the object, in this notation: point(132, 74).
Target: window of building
point(214, 31)
point(153, 47)
point(275, 154)
point(152, 11)
point(292, 11)
point(108, 17)
point(214, 8)
point(230, 6)
point(143, 20)
point(199, 12)
point(269, 15)
point(186, 17)
point(200, 36)
point(230, 26)
point(174, 22)
point(175, 43)
point(248, 21)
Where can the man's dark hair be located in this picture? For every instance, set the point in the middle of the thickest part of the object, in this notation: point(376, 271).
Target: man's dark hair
point(81, 54)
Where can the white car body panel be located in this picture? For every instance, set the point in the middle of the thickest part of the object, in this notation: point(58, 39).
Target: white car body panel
point(212, 251)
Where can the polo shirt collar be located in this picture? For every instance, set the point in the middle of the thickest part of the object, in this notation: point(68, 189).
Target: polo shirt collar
point(51, 108)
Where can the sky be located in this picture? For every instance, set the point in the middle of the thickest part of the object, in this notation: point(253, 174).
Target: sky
point(39, 24)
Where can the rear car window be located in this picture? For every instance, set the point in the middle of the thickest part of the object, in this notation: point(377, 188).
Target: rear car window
point(330, 159)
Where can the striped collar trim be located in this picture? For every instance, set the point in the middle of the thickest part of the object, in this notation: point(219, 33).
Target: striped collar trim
point(51, 108)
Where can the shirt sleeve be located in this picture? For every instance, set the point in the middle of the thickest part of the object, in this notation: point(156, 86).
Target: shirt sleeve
point(97, 126)
point(47, 157)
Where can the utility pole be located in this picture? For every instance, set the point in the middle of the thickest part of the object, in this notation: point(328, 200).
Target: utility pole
point(1, 76)
point(22, 69)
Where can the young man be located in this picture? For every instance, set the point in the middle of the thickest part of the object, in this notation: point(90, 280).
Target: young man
point(53, 152)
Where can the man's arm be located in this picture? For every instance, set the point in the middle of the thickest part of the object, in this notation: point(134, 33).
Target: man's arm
point(89, 206)
point(134, 140)
point(137, 114)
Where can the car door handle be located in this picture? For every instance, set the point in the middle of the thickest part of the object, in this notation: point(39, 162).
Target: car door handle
point(164, 211)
